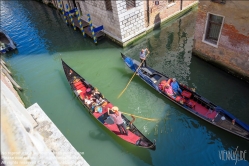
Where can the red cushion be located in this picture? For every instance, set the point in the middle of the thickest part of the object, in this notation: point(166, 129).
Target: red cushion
point(79, 86)
point(191, 103)
point(178, 98)
point(82, 96)
point(186, 94)
point(83, 89)
point(77, 83)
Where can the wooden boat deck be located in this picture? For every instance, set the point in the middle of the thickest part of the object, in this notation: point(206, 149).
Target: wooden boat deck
point(99, 35)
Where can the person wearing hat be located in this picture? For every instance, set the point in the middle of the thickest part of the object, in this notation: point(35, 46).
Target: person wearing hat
point(117, 118)
point(142, 56)
point(175, 86)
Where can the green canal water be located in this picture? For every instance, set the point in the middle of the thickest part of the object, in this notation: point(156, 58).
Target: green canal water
point(43, 38)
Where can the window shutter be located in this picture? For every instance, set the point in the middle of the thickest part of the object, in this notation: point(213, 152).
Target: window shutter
point(130, 4)
point(108, 5)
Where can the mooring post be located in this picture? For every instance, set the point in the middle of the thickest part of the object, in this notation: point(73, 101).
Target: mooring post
point(80, 23)
point(63, 12)
point(92, 30)
point(70, 16)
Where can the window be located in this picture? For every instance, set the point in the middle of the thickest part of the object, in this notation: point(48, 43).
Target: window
point(130, 4)
point(219, 1)
point(213, 28)
point(156, 2)
point(171, 1)
point(108, 5)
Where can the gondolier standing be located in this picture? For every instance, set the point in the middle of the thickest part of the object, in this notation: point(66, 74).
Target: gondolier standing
point(142, 56)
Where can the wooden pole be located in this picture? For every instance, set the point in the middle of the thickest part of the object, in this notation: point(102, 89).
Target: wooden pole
point(132, 77)
point(149, 119)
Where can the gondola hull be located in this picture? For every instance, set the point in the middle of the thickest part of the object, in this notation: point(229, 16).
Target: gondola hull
point(80, 88)
point(6, 43)
point(190, 100)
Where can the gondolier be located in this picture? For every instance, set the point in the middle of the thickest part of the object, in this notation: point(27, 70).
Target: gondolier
point(142, 56)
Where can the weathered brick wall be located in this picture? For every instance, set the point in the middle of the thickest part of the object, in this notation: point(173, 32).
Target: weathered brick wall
point(164, 10)
point(233, 47)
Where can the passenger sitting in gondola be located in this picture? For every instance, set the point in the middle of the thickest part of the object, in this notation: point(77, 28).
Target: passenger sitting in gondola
point(169, 91)
point(96, 108)
point(97, 94)
point(89, 93)
point(175, 86)
point(88, 101)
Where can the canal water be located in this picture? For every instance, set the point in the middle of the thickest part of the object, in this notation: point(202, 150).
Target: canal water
point(43, 38)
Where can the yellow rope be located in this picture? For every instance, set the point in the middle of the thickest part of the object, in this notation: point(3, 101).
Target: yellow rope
point(150, 119)
point(132, 77)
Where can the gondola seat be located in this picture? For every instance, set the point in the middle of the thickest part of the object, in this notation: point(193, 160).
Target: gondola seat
point(186, 94)
point(191, 103)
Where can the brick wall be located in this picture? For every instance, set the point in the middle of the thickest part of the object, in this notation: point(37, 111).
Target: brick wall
point(232, 51)
point(164, 10)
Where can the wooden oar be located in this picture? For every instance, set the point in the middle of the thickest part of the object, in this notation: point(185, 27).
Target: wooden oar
point(149, 119)
point(132, 77)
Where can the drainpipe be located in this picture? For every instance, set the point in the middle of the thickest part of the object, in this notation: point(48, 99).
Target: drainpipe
point(74, 3)
point(181, 6)
point(148, 12)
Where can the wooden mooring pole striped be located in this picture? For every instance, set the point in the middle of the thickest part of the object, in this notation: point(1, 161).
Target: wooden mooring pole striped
point(62, 10)
point(80, 23)
point(92, 30)
point(70, 16)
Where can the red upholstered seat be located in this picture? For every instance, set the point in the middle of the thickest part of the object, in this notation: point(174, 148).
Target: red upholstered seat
point(77, 83)
point(82, 95)
point(83, 89)
point(79, 86)
point(186, 94)
point(178, 98)
point(191, 103)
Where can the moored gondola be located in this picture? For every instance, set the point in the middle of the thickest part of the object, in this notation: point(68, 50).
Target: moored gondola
point(6, 43)
point(81, 88)
point(190, 100)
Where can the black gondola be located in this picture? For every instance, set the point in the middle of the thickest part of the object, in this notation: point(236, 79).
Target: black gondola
point(6, 43)
point(81, 88)
point(190, 100)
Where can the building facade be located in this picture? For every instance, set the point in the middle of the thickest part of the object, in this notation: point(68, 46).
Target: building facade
point(222, 35)
point(126, 20)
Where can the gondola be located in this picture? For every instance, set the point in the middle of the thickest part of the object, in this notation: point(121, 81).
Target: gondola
point(81, 87)
point(6, 43)
point(190, 100)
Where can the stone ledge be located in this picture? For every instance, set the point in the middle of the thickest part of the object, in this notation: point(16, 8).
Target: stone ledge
point(53, 138)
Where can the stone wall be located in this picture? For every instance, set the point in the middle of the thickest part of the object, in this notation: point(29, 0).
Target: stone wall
point(232, 51)
point(131, 21)
point(29, 137)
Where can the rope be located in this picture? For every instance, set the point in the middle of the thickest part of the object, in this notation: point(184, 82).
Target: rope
point(149, 119)
point(132, 77)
